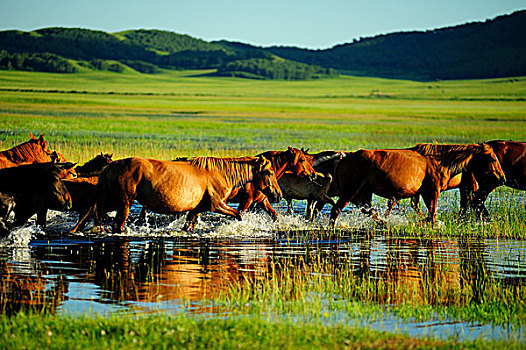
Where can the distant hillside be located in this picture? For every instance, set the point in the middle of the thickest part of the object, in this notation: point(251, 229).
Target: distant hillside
point(490, 49)
point(143, 50)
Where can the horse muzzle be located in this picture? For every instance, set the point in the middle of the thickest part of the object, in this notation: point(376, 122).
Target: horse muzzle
point(272, 195)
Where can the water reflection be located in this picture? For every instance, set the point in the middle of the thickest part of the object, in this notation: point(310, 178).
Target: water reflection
point(166, 273)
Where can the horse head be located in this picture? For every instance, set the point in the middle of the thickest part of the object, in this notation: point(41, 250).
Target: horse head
point(66, 168)
point(40, 142)
point(95, 165)
point(486, 167)
point(300, 163)
point(264, 179)
point(57, 195)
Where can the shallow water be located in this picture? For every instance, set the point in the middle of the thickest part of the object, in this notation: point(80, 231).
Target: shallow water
point(155, 267)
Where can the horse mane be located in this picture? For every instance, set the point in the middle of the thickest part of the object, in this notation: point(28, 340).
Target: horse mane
point(25, 152)
point(452, 156)
point(327, 158)
point(237, 171)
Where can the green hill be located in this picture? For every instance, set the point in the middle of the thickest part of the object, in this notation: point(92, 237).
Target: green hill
point(491, 49)
point(143, 50)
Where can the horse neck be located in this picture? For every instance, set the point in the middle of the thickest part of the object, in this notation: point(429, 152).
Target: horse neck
point(279, 164)
point(91, 168)
point(236, 171)
point(25, 152)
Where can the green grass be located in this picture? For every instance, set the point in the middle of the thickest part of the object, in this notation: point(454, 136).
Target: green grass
point(45, 331)
point(180, 113)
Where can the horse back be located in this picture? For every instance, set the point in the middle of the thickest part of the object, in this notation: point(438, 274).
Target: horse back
point(388, 173)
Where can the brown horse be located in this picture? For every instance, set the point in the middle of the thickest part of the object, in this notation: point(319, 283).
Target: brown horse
point(36, 150)
point(512, 157)
point(402, 173)
point(292, 160)
point(167, 187)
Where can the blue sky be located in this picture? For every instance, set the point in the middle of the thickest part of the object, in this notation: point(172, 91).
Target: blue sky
point(302, 23)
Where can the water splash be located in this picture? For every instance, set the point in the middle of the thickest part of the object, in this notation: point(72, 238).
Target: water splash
point(21, 236)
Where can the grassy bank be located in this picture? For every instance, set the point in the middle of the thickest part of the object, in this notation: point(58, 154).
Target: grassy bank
point(128, 332)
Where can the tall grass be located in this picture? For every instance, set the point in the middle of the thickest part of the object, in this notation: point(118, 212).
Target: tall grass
point(176, 113)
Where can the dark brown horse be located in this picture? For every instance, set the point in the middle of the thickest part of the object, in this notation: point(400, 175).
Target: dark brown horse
point(512, 157)
point(94, 166)
point(83, 188)
point(292, 160)
point(35, 188)
point(167, 187)
point(423, 170)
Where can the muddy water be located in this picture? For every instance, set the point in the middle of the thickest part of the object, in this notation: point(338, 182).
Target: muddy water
point(154, 267)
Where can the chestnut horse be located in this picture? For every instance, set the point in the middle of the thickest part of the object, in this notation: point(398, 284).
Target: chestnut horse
point(292, 160)
point(36, 150)
point(195, 186)
point(512, 157)
point(402, 173)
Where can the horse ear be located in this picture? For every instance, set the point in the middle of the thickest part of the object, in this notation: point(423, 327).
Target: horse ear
point(54, 157)
point(260, 161)
point(65, 165)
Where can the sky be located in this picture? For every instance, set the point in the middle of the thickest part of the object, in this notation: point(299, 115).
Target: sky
point(301, 23)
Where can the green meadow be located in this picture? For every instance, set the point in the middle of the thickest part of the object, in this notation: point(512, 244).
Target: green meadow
point(183, 113)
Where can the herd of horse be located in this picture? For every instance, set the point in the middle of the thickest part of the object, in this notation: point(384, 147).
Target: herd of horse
point(35, 179)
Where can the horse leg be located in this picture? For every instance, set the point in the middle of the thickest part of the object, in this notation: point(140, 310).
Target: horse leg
point(363, 201)
point(479, 197)
point(430, 200)
point(337, 209)
point(390, 206)
point(309, 210)
point(42, 217)
point(121, 217)
point(225, 209)
point(289, 206)
point(265, 204)
point(318, 208)
point(344, 199)
point(82, 219)
point(415, 204)
point(191, 220)
point(143, 215)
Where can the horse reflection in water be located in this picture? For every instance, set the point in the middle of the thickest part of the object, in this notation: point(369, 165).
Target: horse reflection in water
point(183, 275)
